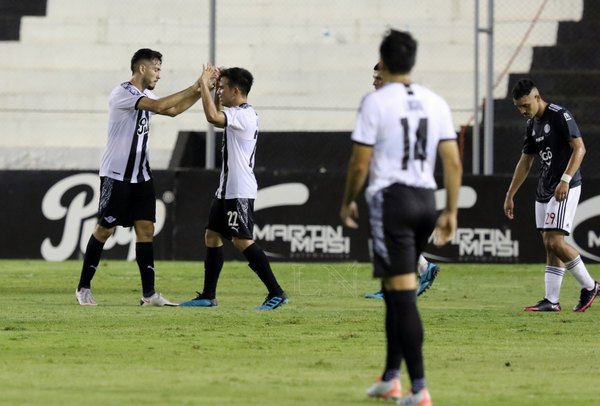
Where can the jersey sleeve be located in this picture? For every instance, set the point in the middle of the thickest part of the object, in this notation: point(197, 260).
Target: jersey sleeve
point(570, 126)
point(235, 118)
point(125, 97)
point(529, 146)
point(241, 120)
point(365, 129)
point(446, 125)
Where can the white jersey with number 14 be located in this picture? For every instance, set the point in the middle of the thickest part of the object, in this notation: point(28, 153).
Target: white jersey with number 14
point(403, 124)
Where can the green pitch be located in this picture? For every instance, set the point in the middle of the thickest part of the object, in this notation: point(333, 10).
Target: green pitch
point(324, 348)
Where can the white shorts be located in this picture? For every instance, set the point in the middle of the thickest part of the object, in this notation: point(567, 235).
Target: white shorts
point(557, 216)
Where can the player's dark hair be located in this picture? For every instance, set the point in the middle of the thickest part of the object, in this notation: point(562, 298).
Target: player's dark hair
point(398, 50)
point(144, 54)
point(522, 88)
point(240, 78)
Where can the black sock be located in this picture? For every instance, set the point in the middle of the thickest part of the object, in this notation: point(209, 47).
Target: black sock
point(144, 256)
point(213, 263)
point(404, 332)
point(91, 259)
point(259, 263)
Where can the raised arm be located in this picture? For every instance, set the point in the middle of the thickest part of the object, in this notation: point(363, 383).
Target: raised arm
point(212, 109)
point(174, 104)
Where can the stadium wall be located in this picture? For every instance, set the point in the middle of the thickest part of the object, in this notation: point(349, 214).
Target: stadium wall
point(311, 61)
point(296, 216)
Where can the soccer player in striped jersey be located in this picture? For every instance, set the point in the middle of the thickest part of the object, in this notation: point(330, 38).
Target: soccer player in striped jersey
point(127, 196)
point(231, 212)
point(552, 134)
point(400, 130)
point(426, 270)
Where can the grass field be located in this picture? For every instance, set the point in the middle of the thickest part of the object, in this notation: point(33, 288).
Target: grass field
point(324, 348)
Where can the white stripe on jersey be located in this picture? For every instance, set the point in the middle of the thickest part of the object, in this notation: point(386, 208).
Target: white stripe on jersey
point(239, 145)
point(126, 154)
point(404, 124)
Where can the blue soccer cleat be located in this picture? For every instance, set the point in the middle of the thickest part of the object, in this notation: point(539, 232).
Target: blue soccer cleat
point(426, 278)
point(273, 302)
point(376, 295)
point(200, 301)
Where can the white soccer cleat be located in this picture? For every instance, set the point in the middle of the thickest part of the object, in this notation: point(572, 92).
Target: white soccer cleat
point(387, 390)
point(84, 297)
point(156, 300)
point(421, 398)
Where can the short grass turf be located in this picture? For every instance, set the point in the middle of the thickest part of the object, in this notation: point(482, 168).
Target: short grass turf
point(324, 348)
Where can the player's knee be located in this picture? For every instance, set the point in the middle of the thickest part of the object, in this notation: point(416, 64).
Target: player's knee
point(144, 230)
point(242, 243)
point(212, 239)
point(553, 244)
point(102, 233)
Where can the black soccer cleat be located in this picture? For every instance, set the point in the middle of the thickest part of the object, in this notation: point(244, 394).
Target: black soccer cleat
point(543, 305)
point(586, 298)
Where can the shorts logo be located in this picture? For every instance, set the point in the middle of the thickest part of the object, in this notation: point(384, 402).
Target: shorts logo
point(110, 219)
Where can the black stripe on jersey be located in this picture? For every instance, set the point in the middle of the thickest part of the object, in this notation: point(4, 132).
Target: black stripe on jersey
point(132, 150)
point(148, 170)
point(251, 163)
point(408, 89)
point(225, 167)
point(143, 160)
point(363, 144)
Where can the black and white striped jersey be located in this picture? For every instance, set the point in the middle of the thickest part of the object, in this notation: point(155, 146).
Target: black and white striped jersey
point(240, 134)
point(126, 154)
point(403, 124)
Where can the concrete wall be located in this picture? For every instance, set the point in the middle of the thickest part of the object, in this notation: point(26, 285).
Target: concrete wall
point(311, 59)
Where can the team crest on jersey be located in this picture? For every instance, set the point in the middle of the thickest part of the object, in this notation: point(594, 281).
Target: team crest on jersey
point(547, 128)
point(567, 116)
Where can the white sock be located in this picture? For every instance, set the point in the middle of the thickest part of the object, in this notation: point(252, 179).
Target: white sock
point(422, 265)
point(553, 280)
point(581, 274)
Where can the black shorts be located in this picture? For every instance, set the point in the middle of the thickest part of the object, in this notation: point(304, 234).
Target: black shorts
point(232, 218)
point(121, 203)
point(401, 218)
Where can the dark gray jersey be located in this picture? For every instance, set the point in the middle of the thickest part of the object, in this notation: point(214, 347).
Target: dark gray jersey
point(549, 137)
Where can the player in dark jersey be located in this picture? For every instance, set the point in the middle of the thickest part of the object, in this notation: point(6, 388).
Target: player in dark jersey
point(399, 132)
point(553, 135)
point(127, 196)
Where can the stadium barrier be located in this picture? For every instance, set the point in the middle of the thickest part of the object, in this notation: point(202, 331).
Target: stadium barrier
point(51, 214)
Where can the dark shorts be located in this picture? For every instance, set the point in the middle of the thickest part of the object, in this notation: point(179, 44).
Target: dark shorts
point(401, 218)
point(122, 203)
point(232, 218)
